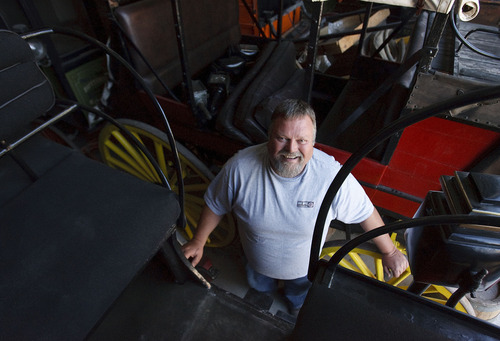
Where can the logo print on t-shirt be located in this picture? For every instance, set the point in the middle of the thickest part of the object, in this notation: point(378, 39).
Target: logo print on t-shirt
point(306, 204)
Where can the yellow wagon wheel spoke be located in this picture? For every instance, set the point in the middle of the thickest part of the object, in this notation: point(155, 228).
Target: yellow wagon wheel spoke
point(366, 259)
point(119, 152)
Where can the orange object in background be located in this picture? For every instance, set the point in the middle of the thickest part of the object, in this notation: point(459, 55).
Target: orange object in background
point(291, 16)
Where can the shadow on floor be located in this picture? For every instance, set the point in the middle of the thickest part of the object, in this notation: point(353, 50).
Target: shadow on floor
point(153, 307)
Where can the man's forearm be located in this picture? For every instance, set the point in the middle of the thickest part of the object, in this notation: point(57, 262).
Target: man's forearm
point(384, 242)
point(193, 249)
point(207, 223)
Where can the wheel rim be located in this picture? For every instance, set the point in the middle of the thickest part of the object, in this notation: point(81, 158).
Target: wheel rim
point(366, 260)
point(118, 151)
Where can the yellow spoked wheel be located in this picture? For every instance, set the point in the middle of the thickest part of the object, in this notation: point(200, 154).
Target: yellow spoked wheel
point(118, 151)
point(367, 260)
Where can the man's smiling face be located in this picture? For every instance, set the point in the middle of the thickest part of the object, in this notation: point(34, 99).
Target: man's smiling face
point(291, 145)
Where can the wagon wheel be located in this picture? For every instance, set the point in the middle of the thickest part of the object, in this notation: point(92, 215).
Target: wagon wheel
point(367, 260)
point(118, 152)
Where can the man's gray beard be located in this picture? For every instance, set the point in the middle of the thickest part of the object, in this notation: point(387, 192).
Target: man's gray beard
point(285, 170)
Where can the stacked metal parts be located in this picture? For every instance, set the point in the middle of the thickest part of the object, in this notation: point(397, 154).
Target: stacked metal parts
point(456, 254)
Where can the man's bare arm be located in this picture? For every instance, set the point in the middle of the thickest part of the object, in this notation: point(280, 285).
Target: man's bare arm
point(193, 249)
point(394, 262)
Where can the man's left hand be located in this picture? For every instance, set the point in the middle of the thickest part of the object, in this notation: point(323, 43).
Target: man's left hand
point(395, 263)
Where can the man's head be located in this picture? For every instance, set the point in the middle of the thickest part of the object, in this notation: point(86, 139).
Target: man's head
point(292, 134)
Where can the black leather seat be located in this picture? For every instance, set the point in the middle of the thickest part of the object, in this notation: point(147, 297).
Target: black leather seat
point(356, 307)
point(279, 77)
point(211, 29)
point(74, 232)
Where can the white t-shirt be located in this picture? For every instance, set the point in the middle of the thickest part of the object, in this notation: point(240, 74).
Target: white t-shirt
point(276, 215)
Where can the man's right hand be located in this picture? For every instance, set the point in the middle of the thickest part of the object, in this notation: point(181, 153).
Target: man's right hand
point(193, 250)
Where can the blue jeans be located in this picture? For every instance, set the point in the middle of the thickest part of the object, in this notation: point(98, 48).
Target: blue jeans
point(295, 290)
